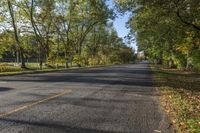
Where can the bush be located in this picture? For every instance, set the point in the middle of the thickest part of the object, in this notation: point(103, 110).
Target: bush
point(79, 60)
point(196, 60)
point(4, 68)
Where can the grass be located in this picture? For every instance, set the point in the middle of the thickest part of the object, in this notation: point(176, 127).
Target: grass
point(180, 98)
point(12, 69)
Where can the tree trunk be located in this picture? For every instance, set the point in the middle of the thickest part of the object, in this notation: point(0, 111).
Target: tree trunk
point(40, 57)
point(23, 65)
point(19, 48)
point(171, 63)
point(188, 62)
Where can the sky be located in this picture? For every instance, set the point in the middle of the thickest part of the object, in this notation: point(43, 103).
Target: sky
point(120, 23)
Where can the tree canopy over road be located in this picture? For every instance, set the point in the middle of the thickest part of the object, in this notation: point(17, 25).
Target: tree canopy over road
point(53, 34)
point(168, 31)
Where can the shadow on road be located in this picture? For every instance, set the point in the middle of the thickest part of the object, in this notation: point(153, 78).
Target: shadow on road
point(5, 89)
point(120, 89)
point(55, 126)
point(116, 76)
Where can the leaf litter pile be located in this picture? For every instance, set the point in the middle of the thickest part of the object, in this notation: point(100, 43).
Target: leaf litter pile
point(180, 98)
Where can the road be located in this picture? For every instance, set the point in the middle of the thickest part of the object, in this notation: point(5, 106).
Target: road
point(113, 99)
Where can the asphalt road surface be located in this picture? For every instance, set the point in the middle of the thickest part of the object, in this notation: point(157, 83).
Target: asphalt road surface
point(113, 99)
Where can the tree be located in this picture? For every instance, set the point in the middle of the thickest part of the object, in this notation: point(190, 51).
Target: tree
point(16, 33)
point(75, 32)
point(164, 30)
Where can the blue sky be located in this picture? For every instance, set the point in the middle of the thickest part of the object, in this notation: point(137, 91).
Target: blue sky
point(120, 23)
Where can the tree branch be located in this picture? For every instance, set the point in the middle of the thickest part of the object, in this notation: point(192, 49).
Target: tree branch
point(187, 23)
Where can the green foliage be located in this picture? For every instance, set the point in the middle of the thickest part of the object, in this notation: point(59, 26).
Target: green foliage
point(79, 60)
point(59, 31)
point(196, 59)
point(8, 68)
point(166, 31)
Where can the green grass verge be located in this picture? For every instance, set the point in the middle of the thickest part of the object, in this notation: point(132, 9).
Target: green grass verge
point(180, 98)
point(10, 69)
point(28, 71)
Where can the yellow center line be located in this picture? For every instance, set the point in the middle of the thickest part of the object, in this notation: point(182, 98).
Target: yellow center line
point(33, 104)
